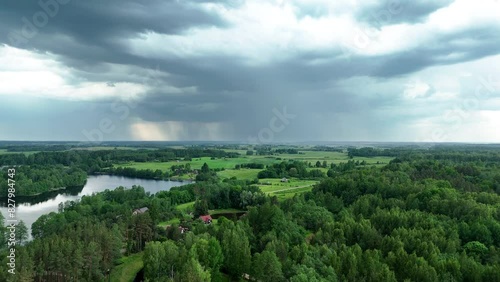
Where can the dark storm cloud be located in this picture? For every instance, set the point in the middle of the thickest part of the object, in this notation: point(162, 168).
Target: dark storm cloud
point(389, 12)
point(446, 50)
point(91, 32)
point(101, 22)
point(85, 35)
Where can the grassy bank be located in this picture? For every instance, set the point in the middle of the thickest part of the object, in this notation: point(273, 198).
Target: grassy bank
point(128, 268)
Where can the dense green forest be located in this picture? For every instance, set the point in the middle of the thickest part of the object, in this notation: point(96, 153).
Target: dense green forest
point(428, 215)
point(291, 169)
point(36, 179)
point(90, 160)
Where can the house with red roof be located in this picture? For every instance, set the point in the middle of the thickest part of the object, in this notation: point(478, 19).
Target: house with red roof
point(206, 218)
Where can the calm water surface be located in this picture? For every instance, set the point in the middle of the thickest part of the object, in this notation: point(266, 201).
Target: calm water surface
point(34, 207)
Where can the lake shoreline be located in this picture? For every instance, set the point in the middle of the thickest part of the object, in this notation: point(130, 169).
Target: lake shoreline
point(30, 208)
point(49, 191)
point(154, 179)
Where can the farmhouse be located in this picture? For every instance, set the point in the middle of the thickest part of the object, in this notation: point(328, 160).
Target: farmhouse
point(140, 211)
point(206, 218)
point(183, 230)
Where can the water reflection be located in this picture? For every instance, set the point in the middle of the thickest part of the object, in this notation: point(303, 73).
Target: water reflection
point(29, 209)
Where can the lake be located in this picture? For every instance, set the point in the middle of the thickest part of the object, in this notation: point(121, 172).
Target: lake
point(33, 207)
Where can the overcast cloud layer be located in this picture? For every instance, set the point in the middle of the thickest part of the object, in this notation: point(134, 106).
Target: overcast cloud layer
point(260, 71)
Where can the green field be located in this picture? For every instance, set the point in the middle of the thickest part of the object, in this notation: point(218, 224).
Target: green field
point(293, 190)
point(277, 185)
point(244, 173)
point(228, 164)
point(186, 206)
point(196, 163)
point(285, 190)
point(169, 222)
point(289, 193)
point(331, 157)
point(27, 153)
point(100, 148)
point(128, 268)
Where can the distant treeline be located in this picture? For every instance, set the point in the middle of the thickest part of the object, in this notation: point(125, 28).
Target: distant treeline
point(286, 151)
point(457, 153)
point(138, 173)
point(326, 149)
point(290, 169)
point(92, 161)
point(32, 148)
point(250, 165)
point(370, 152)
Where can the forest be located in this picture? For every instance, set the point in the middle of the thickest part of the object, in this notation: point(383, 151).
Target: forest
point(428, 215)
point(291, 169)
point(37, 179)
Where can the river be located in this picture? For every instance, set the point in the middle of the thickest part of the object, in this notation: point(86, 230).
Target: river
point(33, 207)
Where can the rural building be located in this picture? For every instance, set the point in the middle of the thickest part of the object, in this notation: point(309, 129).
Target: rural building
point(140, 211)
point(284, 179)
point(206, 218)
point(183, 230)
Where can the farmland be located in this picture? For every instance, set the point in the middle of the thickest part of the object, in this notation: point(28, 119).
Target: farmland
point(27, 153)
point(227, 165)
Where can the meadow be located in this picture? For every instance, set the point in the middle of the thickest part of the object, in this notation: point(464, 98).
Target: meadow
point(272, 185)
point(284, 190)
point(127, 268)
point(197, 163)
point(27, 153)
point(228, 164)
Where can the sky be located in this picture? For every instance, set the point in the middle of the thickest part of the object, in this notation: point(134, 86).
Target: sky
point(252, 71)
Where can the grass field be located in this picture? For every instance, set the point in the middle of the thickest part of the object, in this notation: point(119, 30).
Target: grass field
point(293, 190)
point(186, 206)
point(277, 185)
point(27, 153)
point(289, 193)
point(331, 157)
point(250, 174)
point(128, 269)
point(244, 173)
point(169, 222)
point(285, 190)
point(196, 163)
point(100, 148)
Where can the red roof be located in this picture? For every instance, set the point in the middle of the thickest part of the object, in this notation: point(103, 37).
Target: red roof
point(205, 218)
